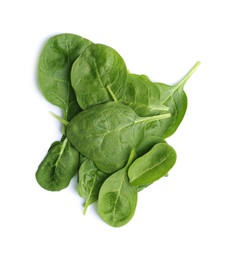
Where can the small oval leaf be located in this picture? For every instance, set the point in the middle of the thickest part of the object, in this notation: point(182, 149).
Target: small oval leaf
point(153, 165)
point(117, 199)
point(58, 167)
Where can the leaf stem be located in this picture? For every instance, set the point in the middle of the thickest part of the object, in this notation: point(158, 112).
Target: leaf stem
point(60, 119)
point(188, 75)
point(153, 118)
point(111, 93)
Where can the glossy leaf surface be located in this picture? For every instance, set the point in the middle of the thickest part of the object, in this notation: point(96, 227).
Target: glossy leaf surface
point(54, 67)
point(117, 199)
point(153, 165)
point(143, 96)
point(106, 134)
point(90, 182)
point(147, 143)
point(175, 98)
point(96, 69)
point(58, 167)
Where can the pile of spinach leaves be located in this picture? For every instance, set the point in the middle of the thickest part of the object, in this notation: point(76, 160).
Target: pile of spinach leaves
point(114, 125)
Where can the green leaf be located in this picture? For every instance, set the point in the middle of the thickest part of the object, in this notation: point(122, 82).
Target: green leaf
point(175, 98)
point(90, 182)
point(106, 134)
point(97, 68)
point(147, 143)
point(54, 67)
point(58, 167)
point(117, 198)
point(153, 165)
point(143, 96)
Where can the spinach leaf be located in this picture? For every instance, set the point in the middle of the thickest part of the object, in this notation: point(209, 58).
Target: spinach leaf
point(147, 143)
point(145, 146)
point(97, 67)
point(106, 134)
point(142, 95)
point(90, 182)
point(58, 167)
point(114, 125)
point(153, 165)
point(54, 67)
point(175, 98)
point(117, 198)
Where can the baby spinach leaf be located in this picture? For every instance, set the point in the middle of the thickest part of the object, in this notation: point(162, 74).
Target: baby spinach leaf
point(175, 98)
point(97, 67)
point(142, 95)
point(117, 198)
point(153, 165)
point(54, 67)
point(147, 143)
point(90, 182)
point(106, 134)
point(120, 145)
point(58, 167)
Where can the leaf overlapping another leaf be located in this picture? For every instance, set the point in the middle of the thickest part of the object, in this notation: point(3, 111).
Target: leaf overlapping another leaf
point(114, 125)
point(106, 133)
point(97, 67)
point(54, 67)
point(58, 167)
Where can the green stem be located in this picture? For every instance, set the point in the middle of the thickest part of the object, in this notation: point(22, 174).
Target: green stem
point(153, 118)
point(65, 113)
point(85, 207)
point(111, 93)
point(61, 152)
point(60, 119)
point(188, 75)
point(86, 204)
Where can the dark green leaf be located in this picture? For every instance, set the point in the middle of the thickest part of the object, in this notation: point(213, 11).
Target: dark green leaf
point(117, 198)
point(153, 165)
point(98, 68)
point(58, 167)
point(54, 67)
point(90, 182)
point(106, 134)
point(147, 143)
point(175, 98)
point(143, 96)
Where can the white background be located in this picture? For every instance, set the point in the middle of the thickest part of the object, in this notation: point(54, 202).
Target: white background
point(184, 216)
